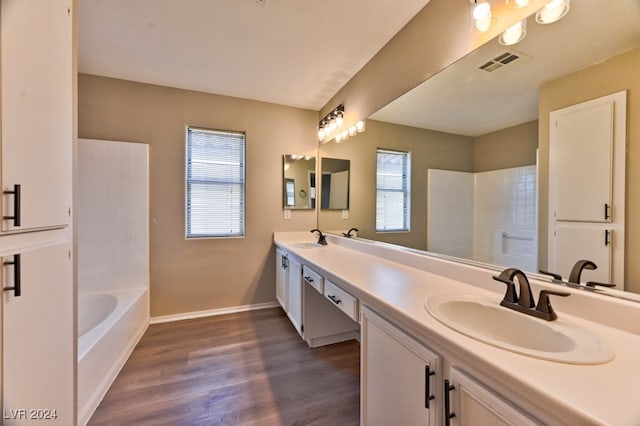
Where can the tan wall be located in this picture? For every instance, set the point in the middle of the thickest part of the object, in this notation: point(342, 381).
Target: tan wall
point(203, 274)
point(429, 149)
point(512, 147)
point(614, 75)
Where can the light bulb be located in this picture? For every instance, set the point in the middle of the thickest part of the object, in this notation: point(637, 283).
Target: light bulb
point(339, 120)
point(482, 11)
point(320, 134)
point(332, 124)
point(521, 3)
point(360, 126)
point(345, 135)
point(513, 34)
point(552, 11)
point(338, 138)
point(352, 130)
point(482, 16)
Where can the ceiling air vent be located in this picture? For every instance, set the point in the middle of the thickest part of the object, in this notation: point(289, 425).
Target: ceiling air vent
point(499, 61)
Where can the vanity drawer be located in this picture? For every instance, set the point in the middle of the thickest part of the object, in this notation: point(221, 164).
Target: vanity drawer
point(313, 278)
point(343, 300)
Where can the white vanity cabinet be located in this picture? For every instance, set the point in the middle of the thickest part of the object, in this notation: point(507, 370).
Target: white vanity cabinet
point(294, 293)
point(400, 379)
point(282, 277)
point(471, 403)
point(405, 382)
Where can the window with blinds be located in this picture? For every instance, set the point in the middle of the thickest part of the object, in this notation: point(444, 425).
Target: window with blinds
point(393, 196)
point(215, 183)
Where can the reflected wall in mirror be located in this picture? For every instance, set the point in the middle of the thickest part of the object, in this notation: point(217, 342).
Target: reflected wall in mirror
point(299, 182)
point(485, 135)
point(335, 184)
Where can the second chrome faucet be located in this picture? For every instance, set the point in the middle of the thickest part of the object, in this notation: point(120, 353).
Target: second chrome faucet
point(523, 301)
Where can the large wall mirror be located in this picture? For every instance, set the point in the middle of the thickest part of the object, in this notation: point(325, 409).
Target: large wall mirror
point(478, 138)
point(299, 182)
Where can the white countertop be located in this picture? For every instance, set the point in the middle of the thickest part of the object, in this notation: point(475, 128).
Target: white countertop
point(579, 394)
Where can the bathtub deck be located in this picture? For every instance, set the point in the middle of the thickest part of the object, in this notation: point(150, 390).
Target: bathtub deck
point(246, 368)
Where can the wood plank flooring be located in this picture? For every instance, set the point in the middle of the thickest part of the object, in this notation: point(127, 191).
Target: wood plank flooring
point(249, 368)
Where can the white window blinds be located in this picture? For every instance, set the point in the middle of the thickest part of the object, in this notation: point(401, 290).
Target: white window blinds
point(215, 183)
point(392, 191)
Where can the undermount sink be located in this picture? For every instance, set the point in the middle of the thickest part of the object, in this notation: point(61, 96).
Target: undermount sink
point(485, 320)
point(306, 245)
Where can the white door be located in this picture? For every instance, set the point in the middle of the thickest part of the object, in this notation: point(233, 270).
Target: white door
point(581, 153)
point(397, 384)
point(37, 119)
point(574, 243)
point(37, 337)
point(294, 294)
point(339, 195)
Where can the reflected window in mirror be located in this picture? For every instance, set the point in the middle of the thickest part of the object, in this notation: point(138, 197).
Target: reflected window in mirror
point(335, 184)
point(393, 196)
point(299, 182)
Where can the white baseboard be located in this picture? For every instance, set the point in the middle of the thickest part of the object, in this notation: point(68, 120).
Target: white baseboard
point(213, 312)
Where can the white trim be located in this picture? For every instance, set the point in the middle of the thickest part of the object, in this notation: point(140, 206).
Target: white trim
point(213, 312)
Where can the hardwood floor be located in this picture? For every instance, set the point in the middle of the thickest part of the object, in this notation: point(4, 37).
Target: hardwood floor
point(249, 368)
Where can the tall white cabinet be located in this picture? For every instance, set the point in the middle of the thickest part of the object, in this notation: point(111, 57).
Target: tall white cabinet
point(36, 249)
point(587, 147)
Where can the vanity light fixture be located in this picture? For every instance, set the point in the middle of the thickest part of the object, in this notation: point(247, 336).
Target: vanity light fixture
point(514, 34)
point(331, 122)
point(552, 11)
point(481, 14)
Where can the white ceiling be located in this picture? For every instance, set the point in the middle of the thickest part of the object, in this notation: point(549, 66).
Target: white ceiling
point(290, 52)
point(467, 101)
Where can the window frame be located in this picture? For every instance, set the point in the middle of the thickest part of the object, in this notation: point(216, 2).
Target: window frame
point(187, 181)
point(406, 191)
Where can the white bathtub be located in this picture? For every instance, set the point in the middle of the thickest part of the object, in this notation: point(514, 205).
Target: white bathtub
point(109, 327)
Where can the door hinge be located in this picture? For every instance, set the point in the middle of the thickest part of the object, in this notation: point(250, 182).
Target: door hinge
point(69, 211)
point(69, 254)
point(302, 328)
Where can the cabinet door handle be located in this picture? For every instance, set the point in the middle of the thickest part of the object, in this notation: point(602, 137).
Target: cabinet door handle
point(606, 211)
point(16, 205)
point(606, 237)
point(334, 299)
point(427, 386)
point(308, 279)
point(448, 415)
point(16, 276)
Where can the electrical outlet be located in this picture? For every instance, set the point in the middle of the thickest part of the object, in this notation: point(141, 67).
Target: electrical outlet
point(287, 214)
point(345, 214)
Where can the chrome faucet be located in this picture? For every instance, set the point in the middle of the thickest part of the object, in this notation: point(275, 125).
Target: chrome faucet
point(322, 240)
point(523, 301)
point(348, 234)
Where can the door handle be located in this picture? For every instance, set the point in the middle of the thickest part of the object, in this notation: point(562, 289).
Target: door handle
point(17, 290)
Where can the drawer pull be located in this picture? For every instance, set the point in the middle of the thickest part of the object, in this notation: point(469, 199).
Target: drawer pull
point(16, 276)
point(427, 386)
point(16, 205)
point(308, 279)
point(334, 299)
point(448, 415)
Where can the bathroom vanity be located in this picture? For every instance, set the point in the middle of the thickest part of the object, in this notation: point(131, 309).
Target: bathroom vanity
point(417, 370)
